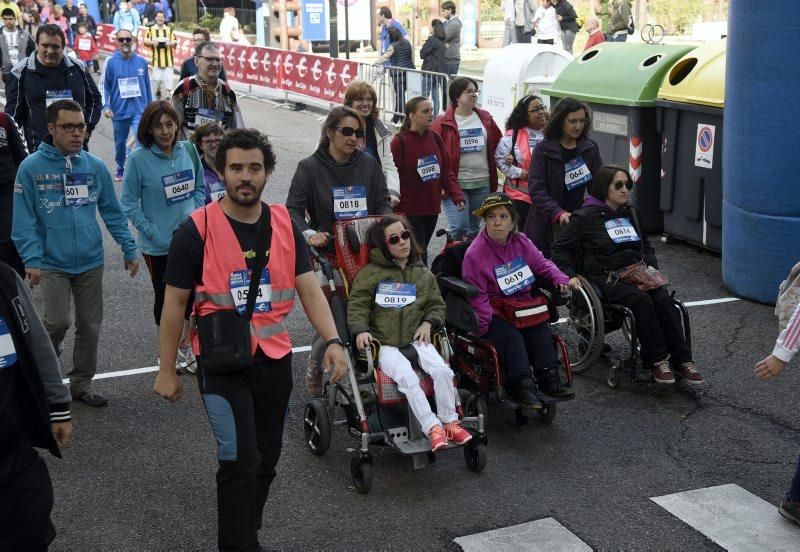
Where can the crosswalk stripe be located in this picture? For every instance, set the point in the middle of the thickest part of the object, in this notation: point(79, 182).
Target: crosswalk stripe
point(733, 518)
point(542, 534)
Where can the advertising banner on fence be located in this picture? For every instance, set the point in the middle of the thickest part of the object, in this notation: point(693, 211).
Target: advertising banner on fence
point(318, 77)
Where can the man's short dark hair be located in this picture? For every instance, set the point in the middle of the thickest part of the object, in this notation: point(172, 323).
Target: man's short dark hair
point(386, 12)
point(246, 139)
point(202, 31)
point(58, 106)
point(51, 29)
point(161, 12)
point(8, 12)
point(449, 5)
point(202, 46)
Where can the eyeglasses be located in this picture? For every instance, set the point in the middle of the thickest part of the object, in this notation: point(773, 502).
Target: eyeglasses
point(394, 239)
point(349, 131)
point(620, 183)
point(471, 92)
point(581, 122)
point(211, 59)
point(125, 40)
point(536, 109)
point(70, 127)
point(210, 141)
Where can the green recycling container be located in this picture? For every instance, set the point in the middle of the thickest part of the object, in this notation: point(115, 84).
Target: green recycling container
point(620, 82)
point(689, 112)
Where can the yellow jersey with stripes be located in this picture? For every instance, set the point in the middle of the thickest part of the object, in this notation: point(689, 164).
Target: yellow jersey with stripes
point(162, 54)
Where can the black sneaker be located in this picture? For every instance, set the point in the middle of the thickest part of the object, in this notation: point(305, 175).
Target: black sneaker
point(550, 384)
point(525, 395)
point(92, 399)
point(790, 510)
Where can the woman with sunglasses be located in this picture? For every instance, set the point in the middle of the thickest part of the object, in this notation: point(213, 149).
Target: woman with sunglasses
point(206, 139)
point(513, 154)
point(604, 237)
point(338, 181)
point(561, 170)
point(471, 137)
point(361, 96)
point(162, 185)
point(425, 171)
point(395, 301)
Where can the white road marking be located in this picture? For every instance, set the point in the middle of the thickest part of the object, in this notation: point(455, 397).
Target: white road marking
point(733, 518)
point(543, 534)
point(711, 302)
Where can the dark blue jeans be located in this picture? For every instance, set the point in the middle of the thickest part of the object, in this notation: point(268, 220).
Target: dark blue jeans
point(519, 349)
point(794, 490)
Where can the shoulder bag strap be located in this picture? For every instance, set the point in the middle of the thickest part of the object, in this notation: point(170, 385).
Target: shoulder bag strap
point(638, 227)
point(263, 243)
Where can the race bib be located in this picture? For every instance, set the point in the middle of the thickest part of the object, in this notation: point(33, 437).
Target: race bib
point(471, 140)
point(54, 95)
point(620, 230)
point(216, 189)
point(129, 87)
point(428, 168)
point(206, 115)
point(514, 276)
point(394, 295)
point(8, 354)
point(85, 44)
point(178, 186)
point(240, 285)
point(349, 202)
point(73, 20)
point(576, 173)
point(76, 190)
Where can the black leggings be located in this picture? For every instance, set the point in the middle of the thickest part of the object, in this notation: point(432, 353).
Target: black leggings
point(520, 348)
point(423, 227)
point(157, 265)
point(247, 411)
point(26, 501)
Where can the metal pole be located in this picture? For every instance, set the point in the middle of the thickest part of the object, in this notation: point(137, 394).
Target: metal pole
point(347, 29)
point(333, 43)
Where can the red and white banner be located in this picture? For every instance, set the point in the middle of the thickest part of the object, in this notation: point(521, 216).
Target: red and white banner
point(318, 77)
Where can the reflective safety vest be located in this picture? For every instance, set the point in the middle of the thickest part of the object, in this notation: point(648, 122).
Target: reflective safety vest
point(222, 255)
point(516, 188)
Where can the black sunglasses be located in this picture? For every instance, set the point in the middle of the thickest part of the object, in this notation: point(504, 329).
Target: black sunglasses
point(349, 131)
point(619, 184)
point(394, 239)
point(124, 40)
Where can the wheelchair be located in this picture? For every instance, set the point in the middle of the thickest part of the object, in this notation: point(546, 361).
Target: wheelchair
point(374, 410)
point(475, 361)
point(585, 321)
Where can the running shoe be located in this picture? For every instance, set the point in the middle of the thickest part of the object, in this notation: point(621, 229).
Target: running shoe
point(456, 433)
point(662, 373)
point(790, 510)
point(690, 374)
point(119, 174)
point(438, 438)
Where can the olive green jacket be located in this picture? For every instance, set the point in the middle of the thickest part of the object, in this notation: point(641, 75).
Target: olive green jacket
point(393, 327)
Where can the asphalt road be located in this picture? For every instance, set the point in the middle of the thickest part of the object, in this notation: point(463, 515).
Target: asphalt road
point(140, 472)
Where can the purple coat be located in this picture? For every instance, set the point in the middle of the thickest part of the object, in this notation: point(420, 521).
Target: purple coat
point(484, 254)
point(548, 207)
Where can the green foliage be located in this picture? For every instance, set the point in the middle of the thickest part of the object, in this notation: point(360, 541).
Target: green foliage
point(211, 23)
point(676, 15)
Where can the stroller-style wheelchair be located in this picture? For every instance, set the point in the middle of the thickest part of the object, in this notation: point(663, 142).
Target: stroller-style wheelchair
point(585, 321)
point(475, 361)
point(375, 412)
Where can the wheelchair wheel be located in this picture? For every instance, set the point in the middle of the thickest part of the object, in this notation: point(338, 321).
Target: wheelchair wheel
point(317, 427)
point(548, 412)
point(582, 327)
point(475, 456)
point(361, 473)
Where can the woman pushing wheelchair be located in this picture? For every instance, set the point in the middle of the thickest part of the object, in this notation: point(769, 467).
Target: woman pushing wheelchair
point(504, 265)
point(395, 300)
point(604, 242)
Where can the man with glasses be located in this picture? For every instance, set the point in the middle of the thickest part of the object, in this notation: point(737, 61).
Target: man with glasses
point(189, 67)
point(126, 92)
point(205, 98)
point(58, 192)
point(47, 75)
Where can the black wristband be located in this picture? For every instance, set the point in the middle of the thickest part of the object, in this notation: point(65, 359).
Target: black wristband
point(335, 340)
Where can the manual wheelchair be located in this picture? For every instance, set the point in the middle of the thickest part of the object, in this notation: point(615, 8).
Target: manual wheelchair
point(375, 412)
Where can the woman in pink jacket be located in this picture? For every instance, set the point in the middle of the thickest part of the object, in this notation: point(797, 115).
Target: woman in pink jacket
point(497, 251)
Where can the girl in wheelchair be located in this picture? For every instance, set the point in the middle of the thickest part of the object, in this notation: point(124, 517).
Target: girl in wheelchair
point(504, 264)
point(604, 242)
point(395, 301)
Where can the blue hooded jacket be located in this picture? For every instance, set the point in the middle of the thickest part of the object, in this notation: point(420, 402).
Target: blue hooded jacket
point(144, 197)
point(51, 235)
point(116, 68)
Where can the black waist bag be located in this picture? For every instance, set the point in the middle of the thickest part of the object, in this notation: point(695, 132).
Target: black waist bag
point(225, 335)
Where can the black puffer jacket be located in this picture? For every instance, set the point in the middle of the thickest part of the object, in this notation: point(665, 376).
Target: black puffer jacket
point(568, 16)
point(585, 245)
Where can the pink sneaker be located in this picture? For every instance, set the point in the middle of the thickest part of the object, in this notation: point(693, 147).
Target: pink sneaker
point(456, 433)
point(438, 438)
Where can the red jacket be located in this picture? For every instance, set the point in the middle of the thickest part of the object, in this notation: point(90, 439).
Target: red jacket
point(594, 40)
point(418, 198)
point(85, 55)
point(445, 125)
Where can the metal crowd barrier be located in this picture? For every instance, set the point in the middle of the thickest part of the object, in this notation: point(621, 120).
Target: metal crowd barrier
point(396, 85)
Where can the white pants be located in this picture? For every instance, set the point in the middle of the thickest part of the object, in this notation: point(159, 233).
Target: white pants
point(397, 367)
point(162, 75)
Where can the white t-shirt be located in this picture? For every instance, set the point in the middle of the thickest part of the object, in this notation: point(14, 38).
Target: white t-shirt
point(473, 165)
point(546, 23)
point(11, 42)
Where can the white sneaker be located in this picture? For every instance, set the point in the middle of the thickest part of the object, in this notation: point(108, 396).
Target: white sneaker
point(186, 359)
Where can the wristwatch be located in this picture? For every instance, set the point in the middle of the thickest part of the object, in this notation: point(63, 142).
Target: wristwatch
point(336, 341)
